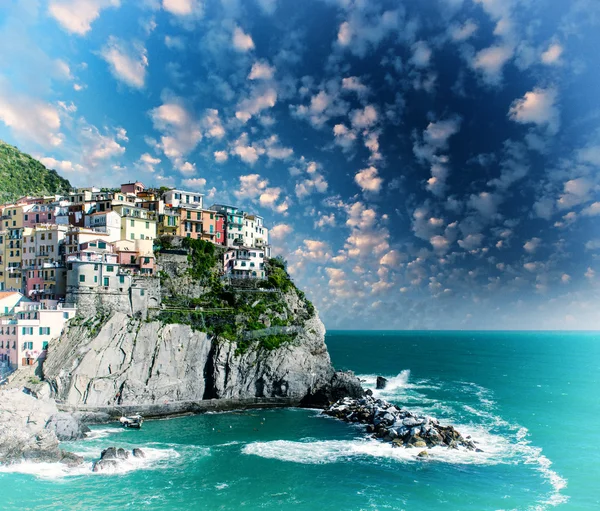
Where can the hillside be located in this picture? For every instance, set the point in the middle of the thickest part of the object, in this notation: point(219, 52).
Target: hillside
point(20, 175)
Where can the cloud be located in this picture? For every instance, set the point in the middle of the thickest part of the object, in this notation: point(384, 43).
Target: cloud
point(532, 245)
point(592, 210)
point(537, 107)
point(280, 231)
point(471, 242)
point(61, 165)
point(464, 31)
point(77, 16)
point(211, 124)
point(256, 188)
point(268, 6)
point(220, 156)
point(490, 62)
point(354, 84)
point(364, 118)
point(242, 42)
point(366, 28)
point(128, 62)
point(181, 131)
point(174, 42)
point(314, 250)
point(392, 259)
point(98, 147)
point(551, 56)
point(486, 203)
point(30, 118)
point(325, 220)
point(195, 183)
point(260, 99)
point(148, 162)
point(183, 7)
point(344, 137)
point(368, 179)
point(421, 54)
point(261, 70)
point(575, 192)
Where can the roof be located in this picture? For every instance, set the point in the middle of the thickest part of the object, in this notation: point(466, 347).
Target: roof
point(6, 294)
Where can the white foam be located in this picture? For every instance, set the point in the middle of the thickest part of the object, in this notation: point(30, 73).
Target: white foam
point(154, 458)
point(95, 434)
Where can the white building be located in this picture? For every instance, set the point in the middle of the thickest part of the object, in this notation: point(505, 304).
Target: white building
point(8, 301)
point(105, 221)
point(255, 234)
point(26, 334)
point(244, 262)
point(183, 199)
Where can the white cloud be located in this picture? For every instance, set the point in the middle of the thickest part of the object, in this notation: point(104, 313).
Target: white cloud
point(537, 107)
point(366, 28)
point(280, 231)
point(99, 147)
point(242, 42)
point(576, 191)
point(211, 123)
point(268, 6)
point(314, 250)
point(368, 179)
point(590, 274)
point(61, 165)
point(181, 132)
point(421, 54)
point(392, 259)
point(552, 55)
point(259, 100)
point(592, 210)
point(344, 34)
point(30, 117)
point(77, 16)
point(490, 62)
point(261, 70)
point(148, 162)
point(354, 84)
point(463, 32)
point(184, 8)
point(325, 220)
point(365, 118)
point(220, 156)
point(256, 188)
point(128, 62)
point(532, 245)
point(174, 42)
point(194, 183)
point(486, 203)
point(471, 242)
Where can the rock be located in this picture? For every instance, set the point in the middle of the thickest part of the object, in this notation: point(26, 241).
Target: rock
point(419, 443)
point(66, 427)
point(423, 454)
point(138, 453)
point(23, 432)
point(101, 465)
point(381, 383)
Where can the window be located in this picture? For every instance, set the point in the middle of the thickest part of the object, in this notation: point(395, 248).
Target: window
point(27, 330)
point(45, 345)
point(132, 236)
point(212, 215)
point(146, 260)
point(189, 215)
point(142, 292)
point(142, 237)
point(110, 268)
point(28, 345)
point(122, 279)
point(81, 278)
point(26, 218)
point(95, 279)
point(101, 244)
point(95, 267)
point(147, 225)
point(211, 228)
point(44, 330)
point(106, 281)
point(132, 223)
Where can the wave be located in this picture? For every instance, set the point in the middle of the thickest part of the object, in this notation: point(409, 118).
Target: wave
point(98, 433)
point(155, 458)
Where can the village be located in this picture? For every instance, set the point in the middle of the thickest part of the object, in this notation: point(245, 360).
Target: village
point(54, 249)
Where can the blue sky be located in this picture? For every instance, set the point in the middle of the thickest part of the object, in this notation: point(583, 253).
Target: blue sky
point(428, 164)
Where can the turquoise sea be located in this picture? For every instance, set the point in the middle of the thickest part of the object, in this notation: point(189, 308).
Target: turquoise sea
point(531, 400)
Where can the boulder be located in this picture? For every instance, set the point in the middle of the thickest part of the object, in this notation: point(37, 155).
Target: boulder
point(66, 427)
point(381, 383)
point(423, 454)
point(138, 453)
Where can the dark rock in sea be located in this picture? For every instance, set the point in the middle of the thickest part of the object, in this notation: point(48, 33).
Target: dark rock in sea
point(381, 382)
point(101, 465)
point(400, 427)
point(138, 453)
point(423, 454)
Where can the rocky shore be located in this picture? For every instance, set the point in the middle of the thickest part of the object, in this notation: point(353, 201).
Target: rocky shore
point(31, 429)
point(399, 427)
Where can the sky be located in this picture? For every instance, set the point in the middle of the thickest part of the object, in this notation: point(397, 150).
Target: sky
point(421, 165)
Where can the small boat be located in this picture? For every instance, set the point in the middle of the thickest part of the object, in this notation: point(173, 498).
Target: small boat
point(133, 421)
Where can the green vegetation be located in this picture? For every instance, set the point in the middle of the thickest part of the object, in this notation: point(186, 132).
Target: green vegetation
point(22, 175)
point(34, 380)
point(201, 258)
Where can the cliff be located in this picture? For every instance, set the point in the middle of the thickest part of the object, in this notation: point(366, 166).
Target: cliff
point(208, 345)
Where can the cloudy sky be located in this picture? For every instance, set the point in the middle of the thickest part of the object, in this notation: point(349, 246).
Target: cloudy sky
point(430, 164)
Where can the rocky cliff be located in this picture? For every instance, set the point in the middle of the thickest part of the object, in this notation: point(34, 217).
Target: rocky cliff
point(216, 343)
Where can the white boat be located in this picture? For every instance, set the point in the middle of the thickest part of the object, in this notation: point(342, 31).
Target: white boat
point(133, 421)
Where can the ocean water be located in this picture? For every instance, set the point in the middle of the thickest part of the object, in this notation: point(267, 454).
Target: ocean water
point(531, 400)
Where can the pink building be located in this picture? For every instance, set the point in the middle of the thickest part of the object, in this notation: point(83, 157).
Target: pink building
point(39, 214)
point(134, 188)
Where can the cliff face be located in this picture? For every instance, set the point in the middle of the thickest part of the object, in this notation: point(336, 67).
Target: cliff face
point(254, 344)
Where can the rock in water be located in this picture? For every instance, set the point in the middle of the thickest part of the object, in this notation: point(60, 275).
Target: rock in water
point(400, 427)
point(138, 453)
point(381, 383)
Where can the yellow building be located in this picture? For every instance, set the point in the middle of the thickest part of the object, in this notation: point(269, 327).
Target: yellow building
point(11, 248)
point(136, 223)
point(168, 223)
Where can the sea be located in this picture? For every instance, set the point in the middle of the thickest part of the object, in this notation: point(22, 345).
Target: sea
point(531, 400)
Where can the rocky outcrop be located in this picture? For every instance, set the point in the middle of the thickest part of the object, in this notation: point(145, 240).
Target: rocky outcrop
point(29, 427)
point(400, 427)
point(381, 383)
point(112, 457)
point(129, 362)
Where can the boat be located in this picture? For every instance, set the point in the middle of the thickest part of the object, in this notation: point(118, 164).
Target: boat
point(133, 421)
